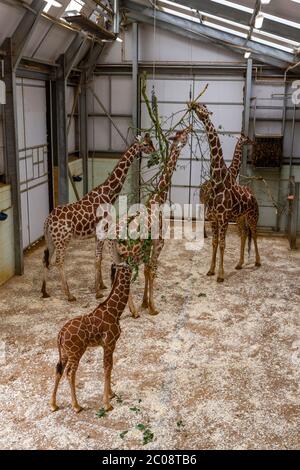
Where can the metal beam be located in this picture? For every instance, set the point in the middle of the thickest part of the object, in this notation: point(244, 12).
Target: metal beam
point(135, 106)
point(247, 110)
point(73, 52)
point(61, 141)
point(83, 126)
point(293, 214)
point(241, 17)
point(12, 152)
point(89, 62)
point(25, 29)
point(190, 29)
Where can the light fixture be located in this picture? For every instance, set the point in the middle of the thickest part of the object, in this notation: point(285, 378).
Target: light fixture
point(247, 55)
point(119, 39)
point(265, 2)
point(51, 3)
point(259, 20)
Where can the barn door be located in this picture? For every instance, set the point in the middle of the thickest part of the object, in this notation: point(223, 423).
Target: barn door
point(224, 97)
point(33, 157)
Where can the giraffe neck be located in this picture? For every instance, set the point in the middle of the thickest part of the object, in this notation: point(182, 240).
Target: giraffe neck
point(163, 186)
point(116, 179)
point(117, 300)
point(236, 163)
point(218, 167)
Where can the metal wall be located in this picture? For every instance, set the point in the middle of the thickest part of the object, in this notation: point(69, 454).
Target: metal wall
point(1, 141)
point(33, 157)
point(224, 98)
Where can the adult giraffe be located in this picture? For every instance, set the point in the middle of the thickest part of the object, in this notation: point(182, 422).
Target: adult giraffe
point(147, 251)
point(79, 219)
point(228, 200)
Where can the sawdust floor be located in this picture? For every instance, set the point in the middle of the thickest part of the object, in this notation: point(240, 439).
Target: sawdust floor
point(218, 368)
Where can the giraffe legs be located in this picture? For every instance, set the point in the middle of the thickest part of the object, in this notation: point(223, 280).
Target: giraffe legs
point(65, 286)
point(71, 374)
point(145, 302)
point(134, 311)
point(215, 243)
point(99, 284)
point(108, 365)
point(59, 373)
point(48, 253)
point(242, 228)
point(151, 268)
point(254, 236)
point(222, 236)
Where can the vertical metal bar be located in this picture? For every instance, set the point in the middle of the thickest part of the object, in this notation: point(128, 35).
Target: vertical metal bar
point(83, 123)
point(62, 141)
point(136, 166)
point(116, 20)
point(49, 115)
point(12, 153)
point(293, 216)
point(247, 109)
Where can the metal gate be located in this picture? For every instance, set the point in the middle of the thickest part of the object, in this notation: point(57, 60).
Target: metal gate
point(224, 97)
point(33, 157)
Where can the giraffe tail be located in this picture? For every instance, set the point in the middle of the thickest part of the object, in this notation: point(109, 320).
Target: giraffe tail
point(59, 366)
point(249, 241)
point(46, 261)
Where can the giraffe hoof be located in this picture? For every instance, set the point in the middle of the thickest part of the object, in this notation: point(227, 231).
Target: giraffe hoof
point(71, 298)
point(108, 407)
point(144, 305)
point(258, 265)
point(135, 315)
point(220, 279)
point(103, 287)
point(99, 295)
point(54, 408)
point(77, 408)
point(210, 273)
point(112, 395)
point(238, 267)
point(153, 312)
point(45, 295)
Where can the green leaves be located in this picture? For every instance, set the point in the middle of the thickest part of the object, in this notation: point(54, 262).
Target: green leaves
point(123, 434)
point(135, 409)
point(148, 435)
point(101, 413)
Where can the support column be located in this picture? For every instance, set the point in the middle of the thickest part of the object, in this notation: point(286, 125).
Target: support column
point(61, 141)
point(293, 214)
point(12, 151)
point(135, 106)
point(83, 126)
point(247, 110)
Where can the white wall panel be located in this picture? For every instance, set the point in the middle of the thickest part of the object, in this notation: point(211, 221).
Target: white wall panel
point(35, 114)
point(98, 133)
point(33, 158)
point(121, 95)
point(117, 143)
point(101, 87)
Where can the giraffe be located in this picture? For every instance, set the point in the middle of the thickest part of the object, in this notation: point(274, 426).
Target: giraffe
point(227, 201)
point(98, 328)
point(148, 251)
point(78, 220)
point(234, 170)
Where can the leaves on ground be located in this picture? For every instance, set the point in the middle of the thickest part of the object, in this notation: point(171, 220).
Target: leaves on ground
point(101, 413)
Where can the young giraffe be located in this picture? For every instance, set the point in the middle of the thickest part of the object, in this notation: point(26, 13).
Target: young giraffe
point(79, 219)
point(143, 251)
point(99, 328)
point(234, 170)
point(228, 201)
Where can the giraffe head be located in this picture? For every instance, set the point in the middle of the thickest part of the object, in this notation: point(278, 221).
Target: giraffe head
point(146, 144)
point(181, 137)
point(244, 140)
point(201, 109)
point(120, 268)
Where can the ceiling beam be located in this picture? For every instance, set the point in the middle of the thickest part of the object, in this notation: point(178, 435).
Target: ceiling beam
point(25, 29)
point(241, 17)
point(198, 31)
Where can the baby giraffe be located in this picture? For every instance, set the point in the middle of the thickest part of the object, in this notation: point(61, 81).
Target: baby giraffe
point(99, 328)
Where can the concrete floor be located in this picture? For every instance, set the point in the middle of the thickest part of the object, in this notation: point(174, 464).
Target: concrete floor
point(219, 368)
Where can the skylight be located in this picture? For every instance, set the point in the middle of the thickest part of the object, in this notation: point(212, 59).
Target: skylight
point(75, 5)
point(51, 3)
